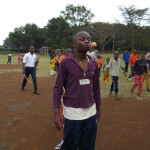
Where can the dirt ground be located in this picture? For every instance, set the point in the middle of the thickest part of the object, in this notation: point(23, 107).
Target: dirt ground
point(26, 120)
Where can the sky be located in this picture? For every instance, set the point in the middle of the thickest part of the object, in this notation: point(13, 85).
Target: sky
point(16, 13)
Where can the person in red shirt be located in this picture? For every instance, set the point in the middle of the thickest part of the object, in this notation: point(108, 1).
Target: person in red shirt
point(66, 53)
point(132, 60)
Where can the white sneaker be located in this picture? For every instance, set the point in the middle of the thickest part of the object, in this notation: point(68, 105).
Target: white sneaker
point(59, 145)
point(129, 78)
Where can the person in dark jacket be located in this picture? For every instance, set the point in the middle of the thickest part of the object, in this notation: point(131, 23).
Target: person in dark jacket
point(139, 69)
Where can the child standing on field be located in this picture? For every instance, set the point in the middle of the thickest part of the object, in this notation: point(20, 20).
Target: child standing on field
point(115, 64)
point(99, 63)
point(19, 58)
point(52, 66)
point(105, 66)
point(138, 70)
point(22, 59)
point(146, 78)
point(9, 58)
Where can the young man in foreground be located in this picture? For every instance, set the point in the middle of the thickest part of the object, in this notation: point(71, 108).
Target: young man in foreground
point(78, 74)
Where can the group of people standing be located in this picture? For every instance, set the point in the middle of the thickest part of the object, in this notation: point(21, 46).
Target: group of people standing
point(77, 83)
point(55, 60)
point(140, 69)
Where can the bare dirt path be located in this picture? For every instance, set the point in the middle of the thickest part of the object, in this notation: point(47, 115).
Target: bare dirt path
point(26, 120)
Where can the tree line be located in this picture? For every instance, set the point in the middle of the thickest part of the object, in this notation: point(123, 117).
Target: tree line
point(58, 32)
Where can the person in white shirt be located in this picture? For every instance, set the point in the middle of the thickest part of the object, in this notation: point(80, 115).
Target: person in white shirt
point(9, 58)
point(115, 64)
point(28, 68)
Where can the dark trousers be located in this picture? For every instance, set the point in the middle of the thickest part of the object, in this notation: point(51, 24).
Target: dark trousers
point(126, 66)
point(114, 85)
point(9, 60)
point(80, 134)
point(131, 72)
point(148, 61)
point(99, 71)
point(28, 71)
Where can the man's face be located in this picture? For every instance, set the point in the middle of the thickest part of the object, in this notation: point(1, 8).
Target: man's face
point(142, 57)
point(126, 51)
point(134, 51)
point(116, 55)
point(82, 42)
point(107, 60)
point(31, 49)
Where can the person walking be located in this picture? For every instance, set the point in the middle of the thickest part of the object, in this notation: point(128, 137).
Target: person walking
point(126, 57)
point(9, 58)
point(132, 60)
point(139, 69)
point(115, 64)
point(78, 74)
point(148, 58)
point(28, 68)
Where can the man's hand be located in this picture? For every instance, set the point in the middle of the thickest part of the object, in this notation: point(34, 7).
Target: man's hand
point(98, 112)
point(57, 119)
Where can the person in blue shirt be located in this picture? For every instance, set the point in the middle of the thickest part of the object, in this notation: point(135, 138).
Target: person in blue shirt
point(126, 57)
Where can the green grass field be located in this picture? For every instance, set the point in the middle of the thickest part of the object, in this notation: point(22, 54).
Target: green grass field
point(44, 71)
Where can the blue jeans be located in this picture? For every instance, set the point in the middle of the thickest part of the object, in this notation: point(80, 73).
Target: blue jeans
point(28, 71)
point(114, 85)
point(80, 134)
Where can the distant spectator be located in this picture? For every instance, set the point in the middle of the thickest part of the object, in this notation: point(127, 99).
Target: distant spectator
point(99, 63)
point(132, 60)
point(19, 58)
point(22, 56)
point(148, 59)
point(66, 53)
point(91, 52)
point(105, 66)
point(52, 66)
point(126, 57)
point(9, 58)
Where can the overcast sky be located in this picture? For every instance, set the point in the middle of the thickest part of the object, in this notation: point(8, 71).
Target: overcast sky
point(16, 13)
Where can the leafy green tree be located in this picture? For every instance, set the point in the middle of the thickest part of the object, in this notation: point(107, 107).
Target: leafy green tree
point(77, 15)
point(57, 33)
point(102, 32)
point(30, 33)
point(16, 37)
point(134, 17)
point(6, 43)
